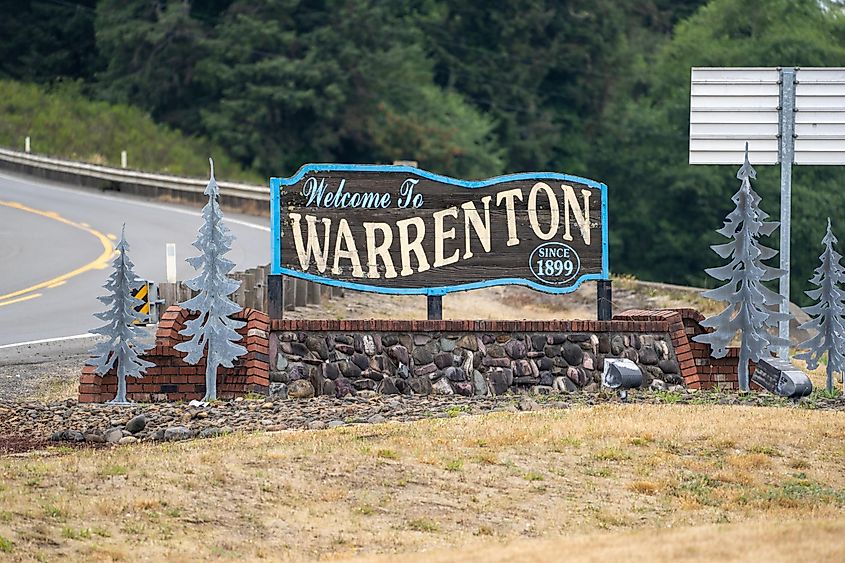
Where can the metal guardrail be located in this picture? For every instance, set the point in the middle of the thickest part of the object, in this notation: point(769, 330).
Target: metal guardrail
point(120, 179)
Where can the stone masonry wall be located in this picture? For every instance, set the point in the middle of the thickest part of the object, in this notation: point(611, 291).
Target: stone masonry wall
point(174, 380)
point(463, 357)
point(699, 368)
point(307, 357)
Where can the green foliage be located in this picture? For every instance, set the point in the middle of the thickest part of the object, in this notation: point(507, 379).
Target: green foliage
point(45, 41)
point(671, 209)
point(348, 82)
point(6, 545)
point(592, 87)
point(62, 122)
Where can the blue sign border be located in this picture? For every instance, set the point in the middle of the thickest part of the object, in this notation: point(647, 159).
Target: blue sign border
point(276, 243)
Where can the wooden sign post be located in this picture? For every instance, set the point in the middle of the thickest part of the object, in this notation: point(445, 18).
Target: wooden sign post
point(400, 230)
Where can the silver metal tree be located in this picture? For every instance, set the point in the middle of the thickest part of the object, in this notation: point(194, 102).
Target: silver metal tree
point(124, 337)
point(212, 329)
point(828, 314)
point(749, 301)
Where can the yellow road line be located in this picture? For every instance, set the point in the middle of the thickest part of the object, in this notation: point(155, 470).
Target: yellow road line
point(99, 263)
point(19, 299)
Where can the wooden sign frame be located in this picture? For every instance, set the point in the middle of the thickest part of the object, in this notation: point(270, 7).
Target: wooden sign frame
point(277, 267)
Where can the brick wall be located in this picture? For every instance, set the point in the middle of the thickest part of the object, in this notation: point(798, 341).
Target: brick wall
point(699, 369)
point(172, 379)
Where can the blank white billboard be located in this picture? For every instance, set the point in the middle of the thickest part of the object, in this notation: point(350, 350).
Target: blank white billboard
point(729, 106)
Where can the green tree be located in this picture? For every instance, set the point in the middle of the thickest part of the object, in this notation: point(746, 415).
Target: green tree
point(663, 210)
point(339, 81)
point(150, 52)
point(44, 41)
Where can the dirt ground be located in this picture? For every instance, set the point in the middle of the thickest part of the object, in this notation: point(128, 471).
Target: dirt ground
point(653, 482)
point(511, 303)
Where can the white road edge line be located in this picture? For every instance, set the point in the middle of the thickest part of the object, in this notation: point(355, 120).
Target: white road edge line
point(48, 340)
point(128, 201)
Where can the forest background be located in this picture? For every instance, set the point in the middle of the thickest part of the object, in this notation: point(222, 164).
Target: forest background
point(597, 88)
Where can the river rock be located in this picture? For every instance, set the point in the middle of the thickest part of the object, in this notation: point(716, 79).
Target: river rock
point(444, 360)
point(400, 354)
point(422, 356)
point(500, 380)
point(281, 362)
point(136, 424)
point(345, 349)
point(552, 350)
point(113, 435)
point(496, 351)
point(420, 385)
point(299, 371)
point(318, 346)
point(175, 433)
point(330, 371)
point(577, 375)
point(343, 387)
point(388, 387)
point(556, 339)
point(300, 389)
point(402, 386)
point(522, 368)
point(617, 345)
point(364, 384)
point(350, 370)
point(479, 383)
point(668, 366)
point(648, 355)
point(572, 353)
point(564, 385)
point(464, 388)
point(454, 374)
point(631, 354)
point(516, 349)
point(361, 360)
point(279, 390)
point(427, 369)
point(442, 387)
point(468, 342)
point(539, 341)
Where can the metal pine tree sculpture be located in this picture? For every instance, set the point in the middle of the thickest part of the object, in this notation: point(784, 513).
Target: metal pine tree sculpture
point(124, 337)
point(749, 302)
point(828, 314)
point(212, 333)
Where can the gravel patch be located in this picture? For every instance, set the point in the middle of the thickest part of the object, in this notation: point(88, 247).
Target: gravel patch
point(33, 422)
point(41, 378)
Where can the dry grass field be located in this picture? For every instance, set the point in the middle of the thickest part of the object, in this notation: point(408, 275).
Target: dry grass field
point(611, 482)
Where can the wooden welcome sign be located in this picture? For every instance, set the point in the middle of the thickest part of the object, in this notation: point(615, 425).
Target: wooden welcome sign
point(398, 229)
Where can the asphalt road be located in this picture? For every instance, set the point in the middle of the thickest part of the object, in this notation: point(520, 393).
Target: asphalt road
point(56, 244)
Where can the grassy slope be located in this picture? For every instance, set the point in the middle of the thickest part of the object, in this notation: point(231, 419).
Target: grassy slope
point(555, 482)
point(66, 124)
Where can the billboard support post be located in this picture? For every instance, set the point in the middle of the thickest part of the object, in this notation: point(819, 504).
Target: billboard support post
point(786, 149)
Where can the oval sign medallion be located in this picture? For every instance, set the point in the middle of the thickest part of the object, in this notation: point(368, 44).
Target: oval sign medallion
point(554, 263)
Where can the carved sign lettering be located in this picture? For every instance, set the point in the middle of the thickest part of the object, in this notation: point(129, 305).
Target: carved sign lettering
point(397, 229)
